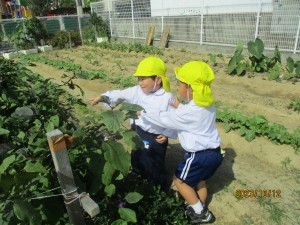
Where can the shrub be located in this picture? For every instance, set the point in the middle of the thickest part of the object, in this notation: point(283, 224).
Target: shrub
point(62, 38)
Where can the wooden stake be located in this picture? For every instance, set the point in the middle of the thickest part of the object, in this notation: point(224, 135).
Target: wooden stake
point(65, 176)
point(165, 37)
point(150, 35)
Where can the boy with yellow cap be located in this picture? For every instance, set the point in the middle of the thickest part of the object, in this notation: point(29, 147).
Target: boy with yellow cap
point(195, 124)
point(152, 93)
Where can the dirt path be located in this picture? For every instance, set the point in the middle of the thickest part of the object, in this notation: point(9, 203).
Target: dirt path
point(257, 165)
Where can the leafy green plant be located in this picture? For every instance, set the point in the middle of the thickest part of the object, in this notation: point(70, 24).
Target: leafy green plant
point(274, 73)
point(257, 62)
point(131, 47)
point(96, 27)
point(260, 62)
point(295, 105)
point(29, 33)
point(213, 58)
point(36, 30)
point(20, 38)
point(237, 64)
point(276, 213)
point(30, 107)
point(286, 162)
point(62, 39)
point(250, 127)
point(293, 68)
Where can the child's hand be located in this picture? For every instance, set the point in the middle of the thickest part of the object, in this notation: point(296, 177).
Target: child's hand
point(161, 139)
point(95, 100)
point(175, 103)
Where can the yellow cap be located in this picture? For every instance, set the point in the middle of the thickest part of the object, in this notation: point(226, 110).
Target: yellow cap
point(199, 75)
point(153, 66)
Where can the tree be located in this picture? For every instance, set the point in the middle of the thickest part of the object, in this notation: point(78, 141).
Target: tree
point(39, 7)
point(67, 3)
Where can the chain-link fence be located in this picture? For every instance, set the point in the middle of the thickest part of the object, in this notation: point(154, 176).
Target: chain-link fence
point(276, 23)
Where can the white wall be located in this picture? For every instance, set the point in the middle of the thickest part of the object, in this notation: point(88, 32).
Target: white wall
point(194, 7)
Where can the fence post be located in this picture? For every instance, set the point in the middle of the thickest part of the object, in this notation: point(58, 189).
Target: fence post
point(65, 176)
point(297, 37)
point(79, 15)
point(132, 15)
point(109, 15)
point(162, 24)
point(257, 20)
point(61, 23)
point(201, 26)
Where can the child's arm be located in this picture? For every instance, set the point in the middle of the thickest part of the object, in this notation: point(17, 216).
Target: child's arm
point(94, 100)
point(170, 120)
point(128, 95)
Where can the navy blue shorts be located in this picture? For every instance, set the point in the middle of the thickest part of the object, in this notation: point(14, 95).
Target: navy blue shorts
point(198, 166)
point(150, 161)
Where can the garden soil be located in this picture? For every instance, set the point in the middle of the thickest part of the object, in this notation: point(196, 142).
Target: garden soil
point(268, 169)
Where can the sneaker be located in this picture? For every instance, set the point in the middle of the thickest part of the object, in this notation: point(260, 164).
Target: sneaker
point(204, 217)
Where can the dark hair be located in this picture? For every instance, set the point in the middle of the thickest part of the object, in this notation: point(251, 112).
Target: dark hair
point(154, 77)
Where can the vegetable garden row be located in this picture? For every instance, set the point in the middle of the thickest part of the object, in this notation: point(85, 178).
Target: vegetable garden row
point(32, 106)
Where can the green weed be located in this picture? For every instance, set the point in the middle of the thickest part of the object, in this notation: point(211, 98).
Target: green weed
point(286, 162)
point(247, 220)
point(295, 105)
point(276, 213)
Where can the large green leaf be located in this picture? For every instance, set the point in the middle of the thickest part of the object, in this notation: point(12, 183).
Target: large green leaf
point(274, 73)
point(131, 107)
point(52, 123)
point(127, 214)
point(6, 163)
point(108, 172)
point(250, 135)
point(119, 222)
point(133, 197)
point(232, 65)
point(240, 68)
point(256, 48)
point(35, 167)
point(113, 120)
point(239, 47)
point(132, 139)
point(290, 64)
point(25, 212)
point(110, 190)
point(118, 157)
point(95, 164)
point(297, 71)
point(4, 131)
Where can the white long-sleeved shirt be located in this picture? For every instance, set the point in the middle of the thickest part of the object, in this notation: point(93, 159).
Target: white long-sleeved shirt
point(195, 125)
point(156, 101)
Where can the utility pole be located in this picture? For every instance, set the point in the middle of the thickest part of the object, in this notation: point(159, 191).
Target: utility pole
point(79, 15)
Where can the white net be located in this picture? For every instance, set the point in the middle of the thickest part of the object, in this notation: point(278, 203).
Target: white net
point(276, 23)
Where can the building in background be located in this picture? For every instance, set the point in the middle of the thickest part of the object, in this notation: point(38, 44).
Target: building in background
point(194, 7)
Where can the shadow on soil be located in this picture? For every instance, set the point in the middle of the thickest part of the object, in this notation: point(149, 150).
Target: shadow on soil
point(222, 178)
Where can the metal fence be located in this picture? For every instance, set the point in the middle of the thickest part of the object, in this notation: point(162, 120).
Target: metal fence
point(51, 23)
point(276, 23)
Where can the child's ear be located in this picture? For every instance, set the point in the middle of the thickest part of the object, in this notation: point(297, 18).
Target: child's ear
point(159, 80)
